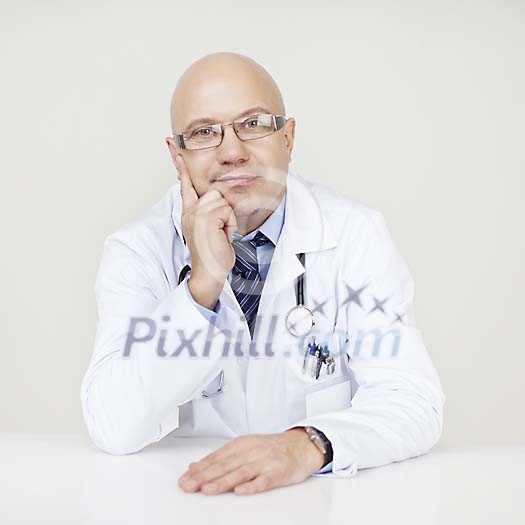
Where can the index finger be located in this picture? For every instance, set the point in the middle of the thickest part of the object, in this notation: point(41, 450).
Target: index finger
point(188, 193)
point(226, 451)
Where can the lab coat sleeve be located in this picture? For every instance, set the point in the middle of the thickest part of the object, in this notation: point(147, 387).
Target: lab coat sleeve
point(397, 411)
point(131, 401)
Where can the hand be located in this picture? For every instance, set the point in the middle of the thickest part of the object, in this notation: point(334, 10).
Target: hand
point(208, 224)
point(255, 463)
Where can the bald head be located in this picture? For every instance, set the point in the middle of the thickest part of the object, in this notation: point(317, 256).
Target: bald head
point(219, 84)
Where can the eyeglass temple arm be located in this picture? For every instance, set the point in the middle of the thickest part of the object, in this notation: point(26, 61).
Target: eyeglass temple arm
point(179, 140)
point(279, 121)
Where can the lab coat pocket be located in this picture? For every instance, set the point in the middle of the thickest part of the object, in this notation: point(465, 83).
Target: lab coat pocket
point(328, 399)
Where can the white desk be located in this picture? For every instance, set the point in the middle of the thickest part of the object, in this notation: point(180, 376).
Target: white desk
point(65, 479)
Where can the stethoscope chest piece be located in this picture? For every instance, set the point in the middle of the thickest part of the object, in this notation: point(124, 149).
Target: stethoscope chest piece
point(300, 321)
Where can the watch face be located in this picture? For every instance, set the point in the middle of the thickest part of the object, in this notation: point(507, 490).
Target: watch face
point(320, 445)
point(316, 439)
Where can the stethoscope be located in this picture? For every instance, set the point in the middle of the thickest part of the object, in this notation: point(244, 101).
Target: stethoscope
point(299, 320)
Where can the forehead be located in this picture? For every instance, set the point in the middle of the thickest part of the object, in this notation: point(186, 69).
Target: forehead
point(220, 100)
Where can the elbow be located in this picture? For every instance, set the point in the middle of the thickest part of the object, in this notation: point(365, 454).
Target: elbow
point(437, 414)
point(427, 420)
point(116, 447)
point(118, 441)
point(432, 429)
point(117, 430)
point(422, 426)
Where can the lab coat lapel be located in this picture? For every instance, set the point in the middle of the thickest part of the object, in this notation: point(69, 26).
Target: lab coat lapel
point(305, 229)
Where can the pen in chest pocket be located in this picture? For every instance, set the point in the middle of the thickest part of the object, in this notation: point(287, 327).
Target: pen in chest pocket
point(315, 357)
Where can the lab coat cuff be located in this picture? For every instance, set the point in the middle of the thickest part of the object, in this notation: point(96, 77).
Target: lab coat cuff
point(210, 315)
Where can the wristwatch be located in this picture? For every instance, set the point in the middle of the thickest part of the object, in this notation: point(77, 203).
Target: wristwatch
point(321, 442)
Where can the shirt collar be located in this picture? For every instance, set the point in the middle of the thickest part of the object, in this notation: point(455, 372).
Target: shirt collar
point(271, 227)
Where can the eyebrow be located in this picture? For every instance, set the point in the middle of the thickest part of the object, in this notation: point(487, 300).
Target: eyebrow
point(207, 120)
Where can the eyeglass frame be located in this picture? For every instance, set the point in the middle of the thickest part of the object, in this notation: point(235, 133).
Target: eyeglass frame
point(279, 122)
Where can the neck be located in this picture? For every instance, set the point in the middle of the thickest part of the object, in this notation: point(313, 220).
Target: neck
point(246, 223)
point(249, 223)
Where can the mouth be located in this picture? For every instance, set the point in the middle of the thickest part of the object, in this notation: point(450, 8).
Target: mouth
point(236, 180)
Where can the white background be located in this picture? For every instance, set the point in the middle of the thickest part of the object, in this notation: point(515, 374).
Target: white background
point(415, 109)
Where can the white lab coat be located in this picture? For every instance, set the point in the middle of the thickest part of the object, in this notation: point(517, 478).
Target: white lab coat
point(382, 404)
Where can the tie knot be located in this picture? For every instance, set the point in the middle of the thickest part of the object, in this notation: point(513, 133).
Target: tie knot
point(259, 240)
point(246, 253)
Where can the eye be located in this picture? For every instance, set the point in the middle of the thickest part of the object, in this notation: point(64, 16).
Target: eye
point(251, 122)
point(202, 132)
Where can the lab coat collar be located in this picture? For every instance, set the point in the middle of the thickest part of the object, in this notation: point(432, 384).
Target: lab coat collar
point(306, 227)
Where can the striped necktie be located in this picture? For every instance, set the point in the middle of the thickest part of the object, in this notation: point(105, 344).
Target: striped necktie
point(246, 280)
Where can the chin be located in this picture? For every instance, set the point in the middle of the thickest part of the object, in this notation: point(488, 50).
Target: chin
point(244, 210)
point(241, 202)
point(248, 203)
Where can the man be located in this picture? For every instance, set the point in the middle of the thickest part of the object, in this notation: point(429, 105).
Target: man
point(195, 335)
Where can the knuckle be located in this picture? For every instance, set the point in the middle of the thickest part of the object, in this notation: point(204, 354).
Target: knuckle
point(220, 485)
point(219, 467)
point(199, 211)
point(187, 222)
point(275, 476)
point(212, 195)
point(278, 467)
point(221, 210)
point(264, 482)
point(193, 468)
point(189, 211)
point(247, 440)
point(239, 440)
point(245, 471)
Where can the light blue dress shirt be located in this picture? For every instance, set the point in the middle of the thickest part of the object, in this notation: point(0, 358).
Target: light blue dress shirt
point(272, 228)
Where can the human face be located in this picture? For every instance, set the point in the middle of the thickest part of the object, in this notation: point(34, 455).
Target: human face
point(264, 162)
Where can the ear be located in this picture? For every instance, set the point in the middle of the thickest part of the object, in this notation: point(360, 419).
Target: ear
point(289, 135)
point(173, 149)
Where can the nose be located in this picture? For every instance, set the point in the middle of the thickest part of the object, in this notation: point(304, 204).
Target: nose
point(232, 149)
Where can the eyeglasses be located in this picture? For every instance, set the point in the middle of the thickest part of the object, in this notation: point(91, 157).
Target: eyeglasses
point(246, 128)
